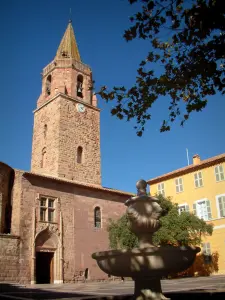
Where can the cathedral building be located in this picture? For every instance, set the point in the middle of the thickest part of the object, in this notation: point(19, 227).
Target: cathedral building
point(55, 216)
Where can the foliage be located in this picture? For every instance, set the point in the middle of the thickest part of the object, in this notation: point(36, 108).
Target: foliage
point(176, 229)
point(187, 48)
point(120, 235)
point(200, 267)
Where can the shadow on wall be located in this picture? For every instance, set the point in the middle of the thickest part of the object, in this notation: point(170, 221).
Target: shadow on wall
point(203, 266)
point(7, 175)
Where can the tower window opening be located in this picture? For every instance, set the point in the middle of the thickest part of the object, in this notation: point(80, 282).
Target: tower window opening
point(97, 217)
point(79, 154)
point(45, 131)
point(65, 54)
point(43, 158)
point(48, 85)
point(80, 86)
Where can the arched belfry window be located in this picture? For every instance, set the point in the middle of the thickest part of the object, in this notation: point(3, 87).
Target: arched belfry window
point(79, 155)
point(48, 85)
point(97, 217)
point(43, 158)
point(80, 80)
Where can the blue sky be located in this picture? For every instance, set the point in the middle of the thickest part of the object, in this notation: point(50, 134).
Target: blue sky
point(30, 33)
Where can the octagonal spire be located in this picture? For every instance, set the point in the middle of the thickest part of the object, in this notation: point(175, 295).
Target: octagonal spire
point(68, 47)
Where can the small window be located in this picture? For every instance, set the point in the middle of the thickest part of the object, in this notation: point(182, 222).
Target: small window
point(43, 158)
point(219, 172)
point(206, 251)
point(97, 217)
point(79, 155)
point(198, 179)
point(80, 86)
point(202, 209)
point(48, 85)
point(179, 185)
point(221, 205)
point(161, 189)
point(47, 209)
point(182, 208)
point(45, 131)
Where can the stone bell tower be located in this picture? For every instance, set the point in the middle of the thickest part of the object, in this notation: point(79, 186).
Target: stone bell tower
point(66, 133)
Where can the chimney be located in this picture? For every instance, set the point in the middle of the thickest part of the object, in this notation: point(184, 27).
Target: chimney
point(196, 159)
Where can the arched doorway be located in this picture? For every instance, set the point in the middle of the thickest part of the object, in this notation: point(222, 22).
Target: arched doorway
point(47, 253)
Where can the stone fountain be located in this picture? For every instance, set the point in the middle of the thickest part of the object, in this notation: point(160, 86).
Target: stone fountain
point(148, 263)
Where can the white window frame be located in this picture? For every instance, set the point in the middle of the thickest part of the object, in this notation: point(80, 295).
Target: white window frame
point(218, 207)
point(198, 179)
point(161, 188)
point(185, 205)
point(179, 185)
point(206, 248)
point(47, 208)
point(201, 200)
point(219, 173)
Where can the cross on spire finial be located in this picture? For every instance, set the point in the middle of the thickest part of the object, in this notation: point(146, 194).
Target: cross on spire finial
point(70, 19)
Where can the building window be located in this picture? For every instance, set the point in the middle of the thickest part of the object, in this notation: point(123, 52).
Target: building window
point(182, 208)
point(202, 209)
point(206, 251)
point(221, 205)
point(97, 217)
point(179, 185)
point(80, 80)
point(161, 189)
point(79, 155)
point(219, 172)
point(48, 85)
point(45, 131)
point(47, 209)
point(198, 179)
point(43, 158)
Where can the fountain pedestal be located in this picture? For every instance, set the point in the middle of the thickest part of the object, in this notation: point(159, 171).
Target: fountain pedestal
point(148, 288)
point(146, 264)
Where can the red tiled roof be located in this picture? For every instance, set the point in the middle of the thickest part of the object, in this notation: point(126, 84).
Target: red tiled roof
point(188, 169)
point(82, 184)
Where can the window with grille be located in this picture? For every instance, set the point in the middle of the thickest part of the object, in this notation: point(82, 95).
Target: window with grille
point(47, 209)
point(183, 207)
point(221, 205)
point(179, 185)
point(219, 172)
point(97, 217)
point(206, 251)
point(198, 179)
point(202, 209)
point(161, 189)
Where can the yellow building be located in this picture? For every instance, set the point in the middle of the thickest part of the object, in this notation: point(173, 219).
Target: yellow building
point(199, 188)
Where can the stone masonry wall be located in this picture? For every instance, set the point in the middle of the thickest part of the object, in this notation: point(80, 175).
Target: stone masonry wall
point(9, 258)
point(79, 129)
point(5, 172)
point(80, 237)
point(46, 139)
point(64, 74)
point(17, 194)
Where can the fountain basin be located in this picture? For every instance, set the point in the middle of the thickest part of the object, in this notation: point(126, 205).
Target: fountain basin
point(146, 262)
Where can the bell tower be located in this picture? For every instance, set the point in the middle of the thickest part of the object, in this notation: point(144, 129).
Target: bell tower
point(66, 133)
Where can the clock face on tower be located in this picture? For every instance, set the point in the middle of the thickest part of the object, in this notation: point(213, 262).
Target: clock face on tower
point(80, 107)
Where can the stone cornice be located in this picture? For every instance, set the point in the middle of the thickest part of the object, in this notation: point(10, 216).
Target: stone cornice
point(68, 98)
